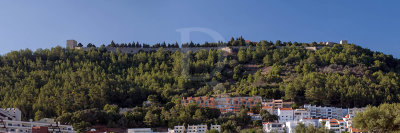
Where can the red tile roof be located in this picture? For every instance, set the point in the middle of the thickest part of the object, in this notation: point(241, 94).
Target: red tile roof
point(285, 108)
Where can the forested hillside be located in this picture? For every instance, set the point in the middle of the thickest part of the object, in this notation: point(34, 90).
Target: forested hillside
point(56, 81)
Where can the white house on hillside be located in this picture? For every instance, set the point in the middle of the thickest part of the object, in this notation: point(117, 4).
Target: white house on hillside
point(285, 114)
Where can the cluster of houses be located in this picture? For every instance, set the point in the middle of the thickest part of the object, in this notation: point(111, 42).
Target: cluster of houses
point(10, 122)
point(335, 119)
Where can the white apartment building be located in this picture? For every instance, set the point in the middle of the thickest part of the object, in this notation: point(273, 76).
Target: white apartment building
point(301, 114)
point(26, 127)
point(10, 114)
point(285, 114)
point(196, 129)
point(325, 112)
point(140, 130)
point(269, 127)
point(178, 129)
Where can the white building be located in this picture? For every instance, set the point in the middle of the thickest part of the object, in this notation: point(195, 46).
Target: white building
point(325, 112)
point(178, 129)
point(140, 130)
point(10, 114)
point(343, 41)
point(301, 114)
point(269, 127)
point(196, 129)
point(26, 127)
point(285, 114)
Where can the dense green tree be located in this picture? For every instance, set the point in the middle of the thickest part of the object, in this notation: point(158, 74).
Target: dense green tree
point(301, 128)
point(39, 115)
point(384, 118)
point(212, 131)
point(151, 120)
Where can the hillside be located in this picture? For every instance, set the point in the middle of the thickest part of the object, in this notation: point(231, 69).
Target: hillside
point(53, 82)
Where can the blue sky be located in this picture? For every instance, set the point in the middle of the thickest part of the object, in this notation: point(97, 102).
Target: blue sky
point(48, 23)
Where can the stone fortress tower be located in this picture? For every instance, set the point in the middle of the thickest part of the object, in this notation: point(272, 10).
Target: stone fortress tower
point(71, 44)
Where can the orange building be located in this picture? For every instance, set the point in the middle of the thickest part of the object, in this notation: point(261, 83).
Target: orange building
point(202, 101)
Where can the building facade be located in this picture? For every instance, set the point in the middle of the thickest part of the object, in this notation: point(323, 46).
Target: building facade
point(194, 129)
point(285, 115)
point(10, 126)
point(10, 114)
point(300, 114)
point(325, 112)
point(140, 130)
